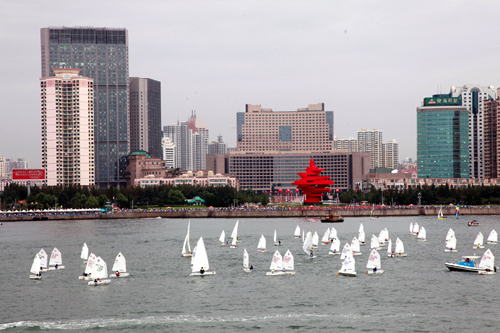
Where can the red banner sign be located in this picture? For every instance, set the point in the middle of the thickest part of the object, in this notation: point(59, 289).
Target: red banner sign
point(21, 174)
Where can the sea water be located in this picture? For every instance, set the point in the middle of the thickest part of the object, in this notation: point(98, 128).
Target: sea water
point(415, 293)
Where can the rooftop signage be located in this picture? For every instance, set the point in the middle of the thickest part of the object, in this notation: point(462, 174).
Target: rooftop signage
point(440, 101)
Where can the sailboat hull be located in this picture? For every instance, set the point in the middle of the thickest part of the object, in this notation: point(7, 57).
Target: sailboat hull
point(334, 253)
point(200, 274)
point(275, 273)
point(349, 274)
point(260, 250)
point(247, 270)
point(492, 243)
point(187, 254)
point(122, 275)
point(35, 277)
point(85, 278)
point(277, 244)
point(232, 247)
point(448, 250)
point(99, 283)
point(56, 269)
point(371, 272)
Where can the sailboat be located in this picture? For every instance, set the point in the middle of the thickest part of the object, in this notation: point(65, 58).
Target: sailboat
point(411, 228)
point(246, 262)
point(87, 274)
point(120, 266)
point(374, 266)
point(222, 238)
point(348, 266)
point(333, 233)
point(43, 260)
point(288, 263)
point(276, 265)
point(451, 244)
point(335, 248)
point(186, 248)
point(325, 237)
point(99, 273)
point(194, 254)
point(35, 269)
point(55, 261)
point(389, 249)
point(440, 214)
point(234, 234)
point(399, 251)
point(478, 242)
point(422, 234)
point(200, 262)
point(361, 234)
point(374, 243)
point(315, 240)
point(487, 263)
point(85, 253)
point(307, 246)
point(415, 229)
point(382, 238)
point(346, 251)
point(276, 242)
point(450, 233)
point(302, 233)
point(233, 243)
point(297, 232)
point(492, 237)
point(355, 247)
point(261, 247)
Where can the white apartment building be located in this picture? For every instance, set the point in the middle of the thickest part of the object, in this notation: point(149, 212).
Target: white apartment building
point(67, 114)
point(351, 144)
point(390, 153)
point(169, 152)
point(371, 141)
point(473, 96)
point(3, 168)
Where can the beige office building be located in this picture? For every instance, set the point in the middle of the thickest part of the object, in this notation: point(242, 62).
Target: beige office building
point(67, 112)
point(307, 129)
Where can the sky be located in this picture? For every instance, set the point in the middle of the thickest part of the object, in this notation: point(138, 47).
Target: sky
point(370, 62)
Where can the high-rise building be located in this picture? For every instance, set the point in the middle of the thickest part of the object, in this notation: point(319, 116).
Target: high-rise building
point(491, 135)
point(11, 164)
point(443, 138)
point(145, 116)
point(169, 152)
point(3, 168)
point(473, 97)
point(351, 144)
point(217, 147)
point(67, 112)
point(307, 129)
point(102, 55)
point(371, 141)
point(200, 141)
point(390, 154)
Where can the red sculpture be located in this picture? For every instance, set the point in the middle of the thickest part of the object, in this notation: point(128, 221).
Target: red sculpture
point(312, 185)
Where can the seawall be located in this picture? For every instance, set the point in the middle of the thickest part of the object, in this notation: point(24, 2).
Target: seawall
point(235, 214)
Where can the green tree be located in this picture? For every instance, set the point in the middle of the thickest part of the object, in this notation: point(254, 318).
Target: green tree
point(121, 201)
point(102, 200)
point(176, 197)
point(91, 202)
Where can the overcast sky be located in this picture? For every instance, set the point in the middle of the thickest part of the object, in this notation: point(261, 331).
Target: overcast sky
point(371, 62)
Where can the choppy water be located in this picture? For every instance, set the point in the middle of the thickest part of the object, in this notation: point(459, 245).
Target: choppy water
point(416, 293)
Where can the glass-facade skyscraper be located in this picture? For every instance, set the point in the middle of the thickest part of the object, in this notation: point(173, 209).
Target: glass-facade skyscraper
point(443, 138)
point(101, 54)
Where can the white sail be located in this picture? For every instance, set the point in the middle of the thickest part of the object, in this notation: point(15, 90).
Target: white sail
point(355, 247)
point(450, 233)
point(288, 262)
point(222, 237)
point(246, 259)
point(361, 227)
point(187, 237)
point(100, 269)
point(201, 258)
point(85, 252)
point(381, 238)
point(399, 246)
point(487, 260)
point(324, 239)
point(416, 228)
point(440, 214)
point(192, 257)
point(307, 246)
point(422, 234)
point(361, 236)
point(120, 264)
point(277, 262)
point(275, 237)
point(55, 257)
point(374, 243)
point(262, 243)
point(315, 239)
point(90, 263)
point(335, 248)
point(333, 233)
point(297, 231)
point(234, 234)
point(451, 243)
point(43, 258)
point(492, 237)
point(411, 227)
point(478, 242)
point(346, 251)
point(386, 234)
point(389, 246)
point(35, 267)
point(349, 264)
point(302, 233)
point(184, 247)
point(233, 242)
point(374, 260)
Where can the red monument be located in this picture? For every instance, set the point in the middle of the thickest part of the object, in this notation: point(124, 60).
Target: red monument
point(312, 185)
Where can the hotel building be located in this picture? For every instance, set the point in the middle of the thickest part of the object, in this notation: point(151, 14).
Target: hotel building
point(102, 55)
point(443, 138)
point(145, 115)
point(67, 115)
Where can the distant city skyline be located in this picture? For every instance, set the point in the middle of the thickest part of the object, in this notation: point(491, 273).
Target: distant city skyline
point(369, 62)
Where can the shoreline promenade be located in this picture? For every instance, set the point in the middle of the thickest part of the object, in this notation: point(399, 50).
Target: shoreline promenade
point(304, 212)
